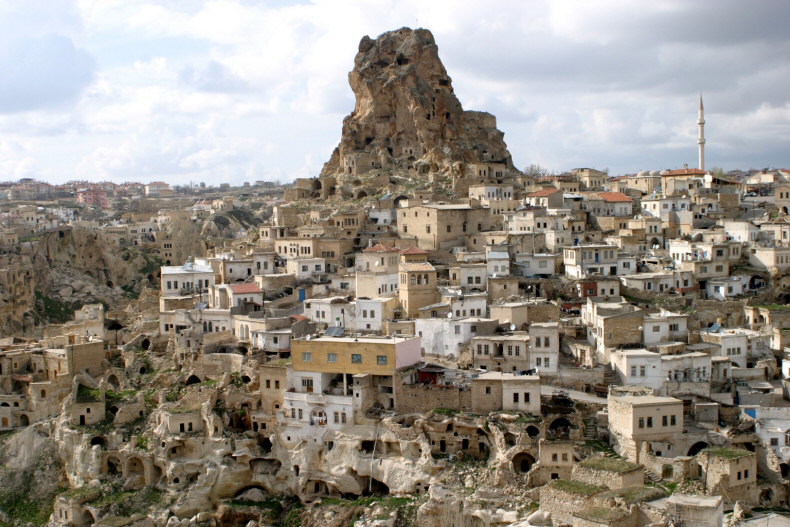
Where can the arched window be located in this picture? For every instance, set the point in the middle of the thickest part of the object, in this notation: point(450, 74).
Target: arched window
point(787, 437)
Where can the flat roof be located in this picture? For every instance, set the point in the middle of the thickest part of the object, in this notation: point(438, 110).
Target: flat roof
point(499, 375)
point(365, 339)
point(647, 400)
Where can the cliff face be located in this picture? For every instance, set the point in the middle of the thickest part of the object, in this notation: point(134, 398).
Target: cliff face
point(407, 120)
point(46, 278)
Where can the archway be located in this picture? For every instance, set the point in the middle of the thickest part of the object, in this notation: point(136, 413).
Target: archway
point(560, 428)
point(362, 194)
point(114, 382)
point(785, 469)
point(766, 497)
point(522, 462)
point(145, 344)
point(135, 471)
point(99, 440)
point(24, 420)
point(533, 431)
point(697, 447)
point(400, 199)
point(193, 379)
point(113, 466)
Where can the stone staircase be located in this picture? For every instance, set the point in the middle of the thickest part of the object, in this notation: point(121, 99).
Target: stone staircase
point(590, 428)
point(609, 376)
point(651, 477)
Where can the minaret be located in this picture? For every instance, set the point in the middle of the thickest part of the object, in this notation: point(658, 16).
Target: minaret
point(701, 138)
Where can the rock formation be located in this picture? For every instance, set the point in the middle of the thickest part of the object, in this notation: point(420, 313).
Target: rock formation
point(407, 121)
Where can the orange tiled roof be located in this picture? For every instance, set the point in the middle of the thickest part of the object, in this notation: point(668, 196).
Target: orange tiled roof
point(614, 197)
point(245, 288)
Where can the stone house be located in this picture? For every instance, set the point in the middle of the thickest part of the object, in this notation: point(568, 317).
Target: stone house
point(501, 352)
point(449, 336)
point(492, 391)
point(610, 472)
point(555, 460)
point(524, 312)
point(416, 282)
point(635, 419)
point(544, 348)
point(731, 473)
point(442, 226)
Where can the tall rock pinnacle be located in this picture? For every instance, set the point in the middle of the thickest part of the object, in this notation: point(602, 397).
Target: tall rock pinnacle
point(407, 121)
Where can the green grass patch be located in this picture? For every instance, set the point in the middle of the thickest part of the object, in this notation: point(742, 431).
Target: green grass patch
point(445, 411)
point(726, 453)
point(775, 307)
point(576, 487)
point(608, 464)
point(636, 494)
point(123, 395)
point(607, 515)
point(88, 395)
point(55, 311)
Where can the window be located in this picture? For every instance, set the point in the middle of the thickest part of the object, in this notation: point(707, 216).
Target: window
point(300, 413)
point(547, 362)
point(331, 357)
point(656, 329)
point(774, 441)
point(515, 397)
point(276, 385)
point(485, 349)
point(538, 361)
point(268, 384)
point(307, 356)
point(633, 371)
point(642, 371)
point(664, 420)
point(650, 422)
point(673, 327)
point(488, 390)
point(428, 229)
point(336, 417)
point(356, 358)
point(307, 383)
point(343, 418)
point(641, 422)
point(449, 228)
point(457, 330)
point(381, 360)
point(746, 473)
point(672, 420)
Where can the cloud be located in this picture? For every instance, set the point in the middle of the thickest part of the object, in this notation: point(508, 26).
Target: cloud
point(225, 90)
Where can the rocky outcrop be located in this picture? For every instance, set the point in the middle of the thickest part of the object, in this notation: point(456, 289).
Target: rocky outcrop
point(407, 121)
point(229, 224)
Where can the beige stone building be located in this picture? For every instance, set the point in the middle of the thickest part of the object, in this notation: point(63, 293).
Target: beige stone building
point(637, 419)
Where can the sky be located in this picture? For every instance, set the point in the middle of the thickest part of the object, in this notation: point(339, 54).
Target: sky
point(234, 90)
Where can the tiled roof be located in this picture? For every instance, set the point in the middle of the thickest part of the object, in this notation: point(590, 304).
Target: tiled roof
point(614, 197)
point(240, 289)
point(414, 250)
point(379, 248)
point(543, 193)
point(684, 172)
point(417, 266)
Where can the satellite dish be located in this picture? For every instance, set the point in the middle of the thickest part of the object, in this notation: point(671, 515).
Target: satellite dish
point(308, 337)
point(512, 327)
point(450, 314)
point(376, 264)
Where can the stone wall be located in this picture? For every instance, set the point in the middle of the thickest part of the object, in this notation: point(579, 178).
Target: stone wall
point(563, 505)
point(421, 398)
point(613, 480)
